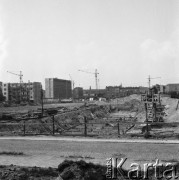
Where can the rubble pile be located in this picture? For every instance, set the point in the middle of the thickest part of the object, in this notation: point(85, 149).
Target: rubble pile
point(64, 119)
point(70, 170)
point(13, 172)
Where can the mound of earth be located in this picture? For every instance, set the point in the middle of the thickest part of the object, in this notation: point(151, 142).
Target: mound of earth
point(27, 173)
point(70, 170)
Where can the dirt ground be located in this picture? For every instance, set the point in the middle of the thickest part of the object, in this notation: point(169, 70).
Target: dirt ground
point(25, 109)
point(101, 121)
point(68, 170)
point(28, 156)
point(45, 153)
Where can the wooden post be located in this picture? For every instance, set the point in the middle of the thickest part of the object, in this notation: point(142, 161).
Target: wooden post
point(146, 118)
point(42, 101)
point(24, 128)
point(118, 129)
point(53, 118)
point(177, 105)
point(85, 126)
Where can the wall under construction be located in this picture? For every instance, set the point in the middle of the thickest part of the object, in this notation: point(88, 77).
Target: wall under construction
point(24, 92)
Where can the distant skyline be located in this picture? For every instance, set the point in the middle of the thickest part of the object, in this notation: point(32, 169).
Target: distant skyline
point(126, 40)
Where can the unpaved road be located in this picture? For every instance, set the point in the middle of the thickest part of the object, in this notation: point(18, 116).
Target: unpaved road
point(84, 139)
point(51, 151)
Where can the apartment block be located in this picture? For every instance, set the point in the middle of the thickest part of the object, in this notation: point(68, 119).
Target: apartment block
point(24, 92)
point(172, 88)
point(57, 88)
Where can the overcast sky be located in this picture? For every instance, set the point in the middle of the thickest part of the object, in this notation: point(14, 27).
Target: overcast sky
point(126, 40)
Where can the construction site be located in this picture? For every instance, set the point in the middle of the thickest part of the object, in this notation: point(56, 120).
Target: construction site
point(117, 113)
point(130, 116)
point(146, 116)
point(89, 90)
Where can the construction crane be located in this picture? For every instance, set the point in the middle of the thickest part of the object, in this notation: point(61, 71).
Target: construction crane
point(96, 76)
point(20, 75)
point(149, 78)
point(20, 80)
point(73, 83)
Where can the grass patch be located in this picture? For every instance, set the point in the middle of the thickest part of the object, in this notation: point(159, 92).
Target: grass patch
point(12, 153)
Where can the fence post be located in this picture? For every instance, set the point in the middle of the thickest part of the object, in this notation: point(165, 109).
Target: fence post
point(53, 118)
point(85, 126)
point(24, 128)
point(118, 129)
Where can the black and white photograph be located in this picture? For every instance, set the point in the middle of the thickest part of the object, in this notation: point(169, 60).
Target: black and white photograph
point(89, 89)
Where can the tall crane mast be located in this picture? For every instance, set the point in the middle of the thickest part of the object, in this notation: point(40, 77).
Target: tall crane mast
point(96, 76)
point(72, 82)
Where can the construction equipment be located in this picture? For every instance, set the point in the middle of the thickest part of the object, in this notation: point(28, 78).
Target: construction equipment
point(20, 80)
point(72, 82)
point(96, 76)
point(20, 75)
point(149, 78)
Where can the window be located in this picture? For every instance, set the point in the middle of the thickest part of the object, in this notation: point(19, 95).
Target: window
point(4, 89)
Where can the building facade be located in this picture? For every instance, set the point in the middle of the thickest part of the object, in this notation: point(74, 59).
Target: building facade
point(0, 87)
point(169, 88)
point(78, 93)
point(57, 88)
point(119, 91)
point(87, 93)
point(24, 92)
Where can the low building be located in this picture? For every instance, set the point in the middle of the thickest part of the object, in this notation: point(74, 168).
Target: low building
point(57, 88)
point(143, 90)
point(24, 92)
point(78, 93)
point(119, 91)
point(94, 93)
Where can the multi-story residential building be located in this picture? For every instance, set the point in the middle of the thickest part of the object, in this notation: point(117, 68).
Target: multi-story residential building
point(22, 92)
point(169, 88)
point(1, 95)
point(57, 88)
point(0, 87)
